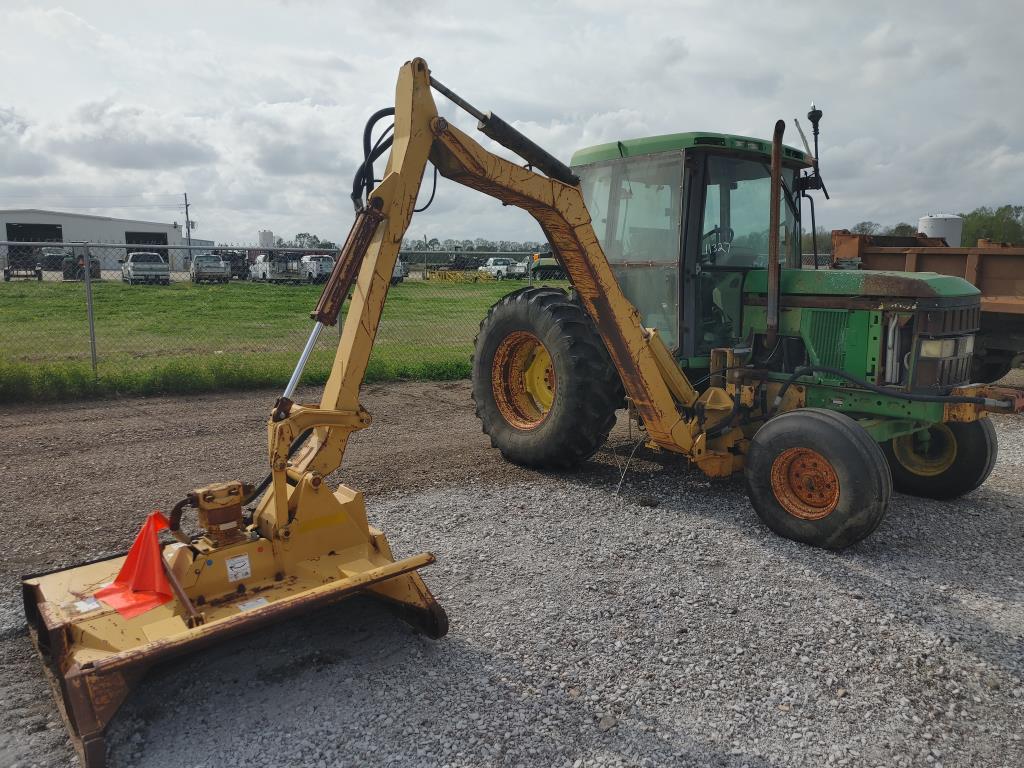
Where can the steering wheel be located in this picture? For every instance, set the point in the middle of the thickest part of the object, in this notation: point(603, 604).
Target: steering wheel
point(727, 231)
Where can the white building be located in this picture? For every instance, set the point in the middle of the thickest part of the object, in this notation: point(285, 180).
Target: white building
point(266, 238)
point(34, 225)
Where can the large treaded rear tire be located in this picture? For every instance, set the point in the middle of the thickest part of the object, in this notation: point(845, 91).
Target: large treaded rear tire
point(587, 389)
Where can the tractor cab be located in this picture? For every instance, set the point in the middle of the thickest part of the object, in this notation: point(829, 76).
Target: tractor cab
point(682, 219)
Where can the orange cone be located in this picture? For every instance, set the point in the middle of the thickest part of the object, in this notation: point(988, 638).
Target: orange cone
point(142, 583)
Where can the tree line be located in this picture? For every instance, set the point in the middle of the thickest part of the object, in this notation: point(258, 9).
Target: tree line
point(1003, 224)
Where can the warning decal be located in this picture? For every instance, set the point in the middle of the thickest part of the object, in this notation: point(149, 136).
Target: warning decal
point(238, 567)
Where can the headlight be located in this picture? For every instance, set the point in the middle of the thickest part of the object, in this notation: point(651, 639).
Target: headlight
point(938, 348)
point(966, 346)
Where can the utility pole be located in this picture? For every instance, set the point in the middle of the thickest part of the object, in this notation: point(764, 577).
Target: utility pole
point(188, 230)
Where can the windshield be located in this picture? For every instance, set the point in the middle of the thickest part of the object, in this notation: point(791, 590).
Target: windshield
point(736, 214)
point(147, 258)
point(207, 260)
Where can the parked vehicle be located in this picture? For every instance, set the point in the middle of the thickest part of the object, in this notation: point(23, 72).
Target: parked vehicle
point(544, 266)
point(501, 267)
point(281, 267)
point(207, 268)
point(399, 273)
point(145, 267)
point(317, 267)
point(22, 261)
point(73, 267)
point(51, 257)
point(237, 261)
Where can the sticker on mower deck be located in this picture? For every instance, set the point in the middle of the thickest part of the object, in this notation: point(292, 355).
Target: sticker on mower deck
point(238, 567)
point(89, 604)
point(251, 605)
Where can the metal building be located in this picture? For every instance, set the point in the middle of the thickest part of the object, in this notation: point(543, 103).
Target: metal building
point(35, 225)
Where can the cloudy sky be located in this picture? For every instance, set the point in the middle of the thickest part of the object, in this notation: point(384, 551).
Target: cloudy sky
point(256, 109)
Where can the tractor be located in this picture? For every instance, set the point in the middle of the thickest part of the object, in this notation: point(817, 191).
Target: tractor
point(823, 388)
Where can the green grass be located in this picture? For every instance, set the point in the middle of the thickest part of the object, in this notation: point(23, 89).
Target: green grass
point(186, 338)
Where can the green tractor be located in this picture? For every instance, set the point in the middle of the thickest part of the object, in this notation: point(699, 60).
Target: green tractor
point(846, 384)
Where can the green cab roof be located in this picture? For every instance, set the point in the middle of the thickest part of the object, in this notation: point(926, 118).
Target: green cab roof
point(676, 141)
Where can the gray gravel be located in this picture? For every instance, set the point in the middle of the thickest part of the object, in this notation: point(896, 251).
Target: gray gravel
point(662, 626)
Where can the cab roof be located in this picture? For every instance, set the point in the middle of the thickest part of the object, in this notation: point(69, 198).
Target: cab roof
point(678, 141)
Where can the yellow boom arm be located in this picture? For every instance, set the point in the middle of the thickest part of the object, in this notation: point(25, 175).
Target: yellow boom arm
point(652, 380)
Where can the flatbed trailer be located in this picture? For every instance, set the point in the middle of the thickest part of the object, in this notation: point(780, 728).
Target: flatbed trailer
point(995, 269)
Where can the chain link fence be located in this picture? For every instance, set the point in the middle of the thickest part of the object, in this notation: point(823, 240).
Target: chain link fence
point(155, 318)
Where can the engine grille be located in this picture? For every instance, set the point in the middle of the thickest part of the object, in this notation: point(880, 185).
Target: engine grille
point(945, 321)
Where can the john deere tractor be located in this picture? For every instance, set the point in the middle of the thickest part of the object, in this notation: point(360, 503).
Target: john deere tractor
point(827, 388)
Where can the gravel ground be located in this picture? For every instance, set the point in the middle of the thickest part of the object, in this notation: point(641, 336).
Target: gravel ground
point(660, 626)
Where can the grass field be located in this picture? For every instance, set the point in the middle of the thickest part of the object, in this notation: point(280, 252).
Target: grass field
point(188, 338)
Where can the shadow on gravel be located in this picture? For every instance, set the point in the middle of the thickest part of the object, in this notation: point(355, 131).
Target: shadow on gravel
point(951, 567)
point(353, 685)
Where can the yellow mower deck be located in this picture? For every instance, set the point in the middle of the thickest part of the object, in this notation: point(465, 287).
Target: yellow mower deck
point(94, 655)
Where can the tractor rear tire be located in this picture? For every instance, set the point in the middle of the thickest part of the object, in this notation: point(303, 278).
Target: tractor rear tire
point(959, 457)
point(817, 476)
point(544, 386)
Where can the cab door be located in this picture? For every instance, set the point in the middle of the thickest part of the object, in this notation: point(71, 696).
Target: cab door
point(727, 236)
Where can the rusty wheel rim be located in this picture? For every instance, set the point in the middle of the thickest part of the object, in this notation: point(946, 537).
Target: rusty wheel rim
point(523, 380)
point(805, 483)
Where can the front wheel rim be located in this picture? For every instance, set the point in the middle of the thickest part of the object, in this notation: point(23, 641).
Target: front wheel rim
point(927, 453)
point(523, 380)
point(805, 483)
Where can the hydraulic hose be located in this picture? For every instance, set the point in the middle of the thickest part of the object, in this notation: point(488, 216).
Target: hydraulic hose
point(806, 370)
point(362, 183)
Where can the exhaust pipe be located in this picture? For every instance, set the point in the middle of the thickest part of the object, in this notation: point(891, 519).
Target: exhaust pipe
point(774, 221)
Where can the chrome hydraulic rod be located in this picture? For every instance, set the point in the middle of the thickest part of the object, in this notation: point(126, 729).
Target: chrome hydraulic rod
point(293, 382)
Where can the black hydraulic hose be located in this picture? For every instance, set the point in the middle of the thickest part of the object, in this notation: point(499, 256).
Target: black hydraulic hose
point(368, 130)
point(363, 180)
point(259, 489)
point(362, 183)
point(806, 370)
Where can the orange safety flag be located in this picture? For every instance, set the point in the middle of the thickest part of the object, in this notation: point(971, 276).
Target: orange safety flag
point(142, 583)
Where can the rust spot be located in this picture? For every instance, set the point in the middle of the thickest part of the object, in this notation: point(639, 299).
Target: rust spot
point(805, 483)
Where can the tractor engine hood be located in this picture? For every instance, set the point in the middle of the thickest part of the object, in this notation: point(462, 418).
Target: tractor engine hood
point(865, 283)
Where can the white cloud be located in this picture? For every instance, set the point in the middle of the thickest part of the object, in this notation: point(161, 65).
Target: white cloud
point(260, 115)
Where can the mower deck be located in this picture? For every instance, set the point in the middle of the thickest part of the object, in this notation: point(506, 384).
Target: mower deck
point(93, 655)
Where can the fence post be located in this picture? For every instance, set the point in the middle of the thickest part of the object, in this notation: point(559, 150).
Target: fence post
point(88, 306)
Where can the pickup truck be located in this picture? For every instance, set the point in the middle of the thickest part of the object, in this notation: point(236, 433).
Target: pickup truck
point(145, 267)
point(278, 268)
point(501, 267)
point(317, 267)
point(207, 268)
point(399, 273)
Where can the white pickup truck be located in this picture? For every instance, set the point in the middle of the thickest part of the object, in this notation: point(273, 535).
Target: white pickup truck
point(501, 267)
point(317, 267)
point(145, 267)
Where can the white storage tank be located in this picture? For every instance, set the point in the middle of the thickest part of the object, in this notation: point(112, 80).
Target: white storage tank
point(947, 225)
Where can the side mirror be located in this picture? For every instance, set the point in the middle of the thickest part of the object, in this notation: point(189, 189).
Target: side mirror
point(120, 261)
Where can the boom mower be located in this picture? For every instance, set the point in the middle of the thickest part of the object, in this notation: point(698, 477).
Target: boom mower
point(807, 380)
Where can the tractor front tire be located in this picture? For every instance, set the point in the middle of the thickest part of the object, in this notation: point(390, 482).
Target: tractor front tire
point(956, 458)
point(544, 386)
point(817, 477)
